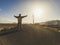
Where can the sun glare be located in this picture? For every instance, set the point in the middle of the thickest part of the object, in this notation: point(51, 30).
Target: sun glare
point(38, 13)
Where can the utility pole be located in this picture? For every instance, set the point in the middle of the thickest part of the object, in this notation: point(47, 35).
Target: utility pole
point(33, 18)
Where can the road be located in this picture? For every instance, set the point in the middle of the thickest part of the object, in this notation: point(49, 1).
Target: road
point(30, 35)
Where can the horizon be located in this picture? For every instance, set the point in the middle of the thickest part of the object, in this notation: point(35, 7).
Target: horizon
point(30, 23)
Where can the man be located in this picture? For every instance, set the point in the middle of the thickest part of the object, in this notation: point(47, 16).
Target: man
point(20, 21)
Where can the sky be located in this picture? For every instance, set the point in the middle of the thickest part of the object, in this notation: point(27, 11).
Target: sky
point(41, 10)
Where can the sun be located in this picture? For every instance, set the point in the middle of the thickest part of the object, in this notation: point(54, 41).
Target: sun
point(38, 12)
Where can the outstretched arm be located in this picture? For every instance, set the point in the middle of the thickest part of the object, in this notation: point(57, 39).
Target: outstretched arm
point(16, 16)
point(24, 16)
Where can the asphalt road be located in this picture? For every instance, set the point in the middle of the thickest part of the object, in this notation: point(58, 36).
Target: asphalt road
point(31, 35)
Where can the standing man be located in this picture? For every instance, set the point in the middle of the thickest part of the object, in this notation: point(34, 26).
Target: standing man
point(19, 20)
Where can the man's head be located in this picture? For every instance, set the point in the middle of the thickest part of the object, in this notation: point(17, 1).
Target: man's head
point(19, 15)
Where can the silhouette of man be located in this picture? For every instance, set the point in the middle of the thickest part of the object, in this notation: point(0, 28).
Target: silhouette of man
point(19, 20)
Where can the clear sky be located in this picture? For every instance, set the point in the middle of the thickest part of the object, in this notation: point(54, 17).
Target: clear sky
point(42, 10)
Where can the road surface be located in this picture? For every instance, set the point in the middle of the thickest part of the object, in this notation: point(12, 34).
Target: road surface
point(30, 35)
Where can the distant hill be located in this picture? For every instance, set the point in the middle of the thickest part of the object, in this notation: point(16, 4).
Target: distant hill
point(52, 23)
